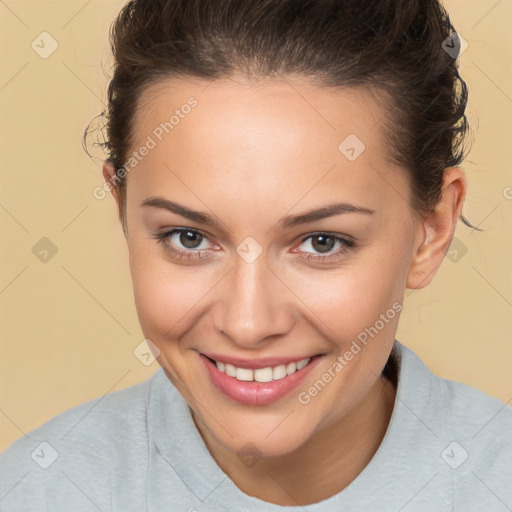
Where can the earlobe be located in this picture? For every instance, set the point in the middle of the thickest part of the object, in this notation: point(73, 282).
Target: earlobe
point(437, 229)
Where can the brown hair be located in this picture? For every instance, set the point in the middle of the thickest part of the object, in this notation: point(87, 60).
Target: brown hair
point(394, 47)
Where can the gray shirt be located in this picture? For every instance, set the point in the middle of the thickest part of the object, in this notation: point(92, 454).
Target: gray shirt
point(448, 448)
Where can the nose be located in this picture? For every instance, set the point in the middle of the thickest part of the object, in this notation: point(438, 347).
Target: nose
point(254, 306)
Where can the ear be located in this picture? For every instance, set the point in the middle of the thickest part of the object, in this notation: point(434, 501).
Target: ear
point(112, 181)
point(437, 229)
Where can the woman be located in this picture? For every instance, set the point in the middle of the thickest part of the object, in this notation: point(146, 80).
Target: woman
point(284, 170)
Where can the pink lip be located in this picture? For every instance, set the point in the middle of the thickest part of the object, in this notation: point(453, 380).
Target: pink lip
point(256, 393)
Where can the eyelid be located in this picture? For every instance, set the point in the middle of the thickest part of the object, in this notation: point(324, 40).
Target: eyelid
point(167, 233)
point(349, 240)
point(330, 233)
point(347, 244)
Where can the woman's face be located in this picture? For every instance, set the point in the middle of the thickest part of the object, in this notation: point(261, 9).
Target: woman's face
point(254, 276)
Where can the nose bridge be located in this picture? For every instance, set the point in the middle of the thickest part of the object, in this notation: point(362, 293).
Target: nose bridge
point(253, 305)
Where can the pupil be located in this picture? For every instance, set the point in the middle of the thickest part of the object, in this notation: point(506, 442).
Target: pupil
point(323, 243)
point(190, 240)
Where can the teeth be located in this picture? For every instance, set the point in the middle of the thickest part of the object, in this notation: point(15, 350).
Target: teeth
point(279, 372)
point(244, 374)
point(230, 370)
point(262, 374)
point(291, 368)
point(302, 363)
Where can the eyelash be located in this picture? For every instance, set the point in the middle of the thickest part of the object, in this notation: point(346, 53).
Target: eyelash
point(198, 254)
point(346, 245)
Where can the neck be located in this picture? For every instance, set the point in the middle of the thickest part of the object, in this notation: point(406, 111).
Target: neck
point(324, 465)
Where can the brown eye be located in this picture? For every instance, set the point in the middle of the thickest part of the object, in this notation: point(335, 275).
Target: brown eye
point(190, 239)
point(184, 240)
point(185, 245)
point(324, 247)
point(323, 243)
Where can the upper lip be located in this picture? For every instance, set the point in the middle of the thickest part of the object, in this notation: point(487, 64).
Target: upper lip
point(254, 363)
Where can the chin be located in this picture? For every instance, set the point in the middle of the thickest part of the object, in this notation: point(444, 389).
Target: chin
point(263, 440)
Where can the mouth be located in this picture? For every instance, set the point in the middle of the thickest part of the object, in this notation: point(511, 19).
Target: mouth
point(257, 385)
point(261, 374)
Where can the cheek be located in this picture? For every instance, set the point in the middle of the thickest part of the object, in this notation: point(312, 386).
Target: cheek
point(167, 296)
point(342, 303)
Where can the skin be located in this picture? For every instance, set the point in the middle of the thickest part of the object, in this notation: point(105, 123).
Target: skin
point(250, 155)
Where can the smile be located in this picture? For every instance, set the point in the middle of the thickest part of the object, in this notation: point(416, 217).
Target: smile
point(267, 374)
point(257, 386)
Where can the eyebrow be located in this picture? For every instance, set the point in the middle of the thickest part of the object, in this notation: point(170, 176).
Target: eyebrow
point(322, 213)
point(286, 222)
point(165, 204)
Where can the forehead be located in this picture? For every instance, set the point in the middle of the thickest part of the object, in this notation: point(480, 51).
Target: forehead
point(262, 137)
point(270, 105)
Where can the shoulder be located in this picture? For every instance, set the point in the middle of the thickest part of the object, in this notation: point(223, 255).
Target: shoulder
point(95, 422)
point(451, 405)
point(479, 454)
point(471, 430)
point(483, 425)
point(473, 415)
point(79, 447)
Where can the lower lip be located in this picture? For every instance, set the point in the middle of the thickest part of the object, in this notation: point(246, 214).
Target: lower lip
point(256, 393)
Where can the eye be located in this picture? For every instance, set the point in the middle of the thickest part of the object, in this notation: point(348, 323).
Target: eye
point(185, 244)
point(187, 239)
point(324, 246)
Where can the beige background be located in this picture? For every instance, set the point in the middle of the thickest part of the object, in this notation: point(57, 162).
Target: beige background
point(69, 326)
